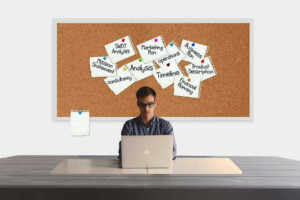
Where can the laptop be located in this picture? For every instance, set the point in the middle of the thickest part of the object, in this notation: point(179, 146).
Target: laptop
point(147, 151)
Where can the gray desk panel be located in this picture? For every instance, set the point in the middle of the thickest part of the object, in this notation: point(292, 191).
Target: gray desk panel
point(263, 178)
point(260, 172)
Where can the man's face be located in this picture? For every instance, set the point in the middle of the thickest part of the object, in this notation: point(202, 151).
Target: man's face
point(146, 106)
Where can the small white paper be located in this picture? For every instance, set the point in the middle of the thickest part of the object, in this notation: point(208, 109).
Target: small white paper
point(187, 86)
point(120, 49)
point(80, 123)
point(152, 49)
point(102, 67)
point(140, 70)
point(195, 52)
point(174, 54)
point(205, 69)
point(121, 82)
point(165, 75)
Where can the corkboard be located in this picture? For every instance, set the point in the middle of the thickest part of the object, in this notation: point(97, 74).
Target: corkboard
point(225, 95)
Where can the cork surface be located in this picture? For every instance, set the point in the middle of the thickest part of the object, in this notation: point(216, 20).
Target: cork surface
point(225, 95)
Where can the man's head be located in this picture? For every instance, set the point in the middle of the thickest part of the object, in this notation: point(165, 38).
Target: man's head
point(146, 101)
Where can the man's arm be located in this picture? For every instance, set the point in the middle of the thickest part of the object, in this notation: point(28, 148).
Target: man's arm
point(125, 131)
point(169, 131)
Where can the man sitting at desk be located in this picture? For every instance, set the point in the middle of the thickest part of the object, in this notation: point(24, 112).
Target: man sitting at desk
point(147, 123)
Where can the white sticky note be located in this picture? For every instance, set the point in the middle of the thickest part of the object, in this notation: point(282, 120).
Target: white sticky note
point(152, 49)
point(204, 69)
point(174, 54)
point(102, 67)
point(195, 52)
point(165, 75)
point(120, 49)
point(121, 82)
point(140, 70)
point(187, 86)
point(80, 123)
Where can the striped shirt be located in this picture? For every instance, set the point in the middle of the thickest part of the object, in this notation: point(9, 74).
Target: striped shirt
point(158, 126)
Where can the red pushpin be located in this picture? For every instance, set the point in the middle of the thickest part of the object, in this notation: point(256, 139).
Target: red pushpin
point(123, 40)
point(168, 64)
point(202, 61)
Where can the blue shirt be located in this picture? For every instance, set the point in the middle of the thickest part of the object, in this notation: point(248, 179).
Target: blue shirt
point(158, 126)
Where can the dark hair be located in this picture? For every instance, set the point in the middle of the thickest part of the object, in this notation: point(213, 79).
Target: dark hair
point(144, 92)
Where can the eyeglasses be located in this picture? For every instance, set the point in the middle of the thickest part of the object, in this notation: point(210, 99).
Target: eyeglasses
point(150, 105)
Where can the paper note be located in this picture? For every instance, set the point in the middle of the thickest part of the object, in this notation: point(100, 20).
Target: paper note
point(165, 75)
point(187, 86)
point(102, 67)
point(195, 52)
point(174, 54)
point(121, 82)
point(120, 49)
point(140, 70)
point(205, 69)
point(80, 123)
point(152, 49)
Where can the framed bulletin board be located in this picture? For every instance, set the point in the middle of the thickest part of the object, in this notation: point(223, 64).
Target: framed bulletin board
point(227, 95)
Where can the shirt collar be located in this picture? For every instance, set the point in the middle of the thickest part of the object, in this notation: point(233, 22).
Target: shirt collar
point(141, 120)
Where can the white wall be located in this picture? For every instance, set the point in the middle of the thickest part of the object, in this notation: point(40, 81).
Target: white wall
point(26, 80)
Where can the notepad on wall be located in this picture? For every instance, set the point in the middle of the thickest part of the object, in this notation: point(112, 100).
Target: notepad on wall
point(80, 123)
point(152, 49)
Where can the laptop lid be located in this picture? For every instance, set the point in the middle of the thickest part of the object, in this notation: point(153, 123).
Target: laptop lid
point(147, 151)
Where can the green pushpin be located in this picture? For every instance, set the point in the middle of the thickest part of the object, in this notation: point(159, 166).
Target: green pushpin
point(140, 59)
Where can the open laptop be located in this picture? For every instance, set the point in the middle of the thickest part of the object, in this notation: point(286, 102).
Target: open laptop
point(147, 151)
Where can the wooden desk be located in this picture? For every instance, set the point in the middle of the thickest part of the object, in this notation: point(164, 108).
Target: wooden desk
point(112, 166)
point(28, 177)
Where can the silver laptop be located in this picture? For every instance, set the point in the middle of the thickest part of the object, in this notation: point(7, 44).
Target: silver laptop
point(147, 151)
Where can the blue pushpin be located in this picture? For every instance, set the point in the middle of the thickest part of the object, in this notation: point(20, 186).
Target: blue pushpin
point(80, 112)
point(171, 44)
point(193, 44)
point(104, 58)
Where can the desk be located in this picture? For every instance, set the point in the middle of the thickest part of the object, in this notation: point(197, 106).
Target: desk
point(112, 166)
point(28, 177)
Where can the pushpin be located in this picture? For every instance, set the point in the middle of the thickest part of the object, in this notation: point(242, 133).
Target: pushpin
point(193, 44)
point(104, 58)
point(168, 64)
point(124, 68)
point(202, 61)
point(140, 59)
point(171, 44)
point(155, 40)
point(80, 112)
point(189, 79)
point(123, 40)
